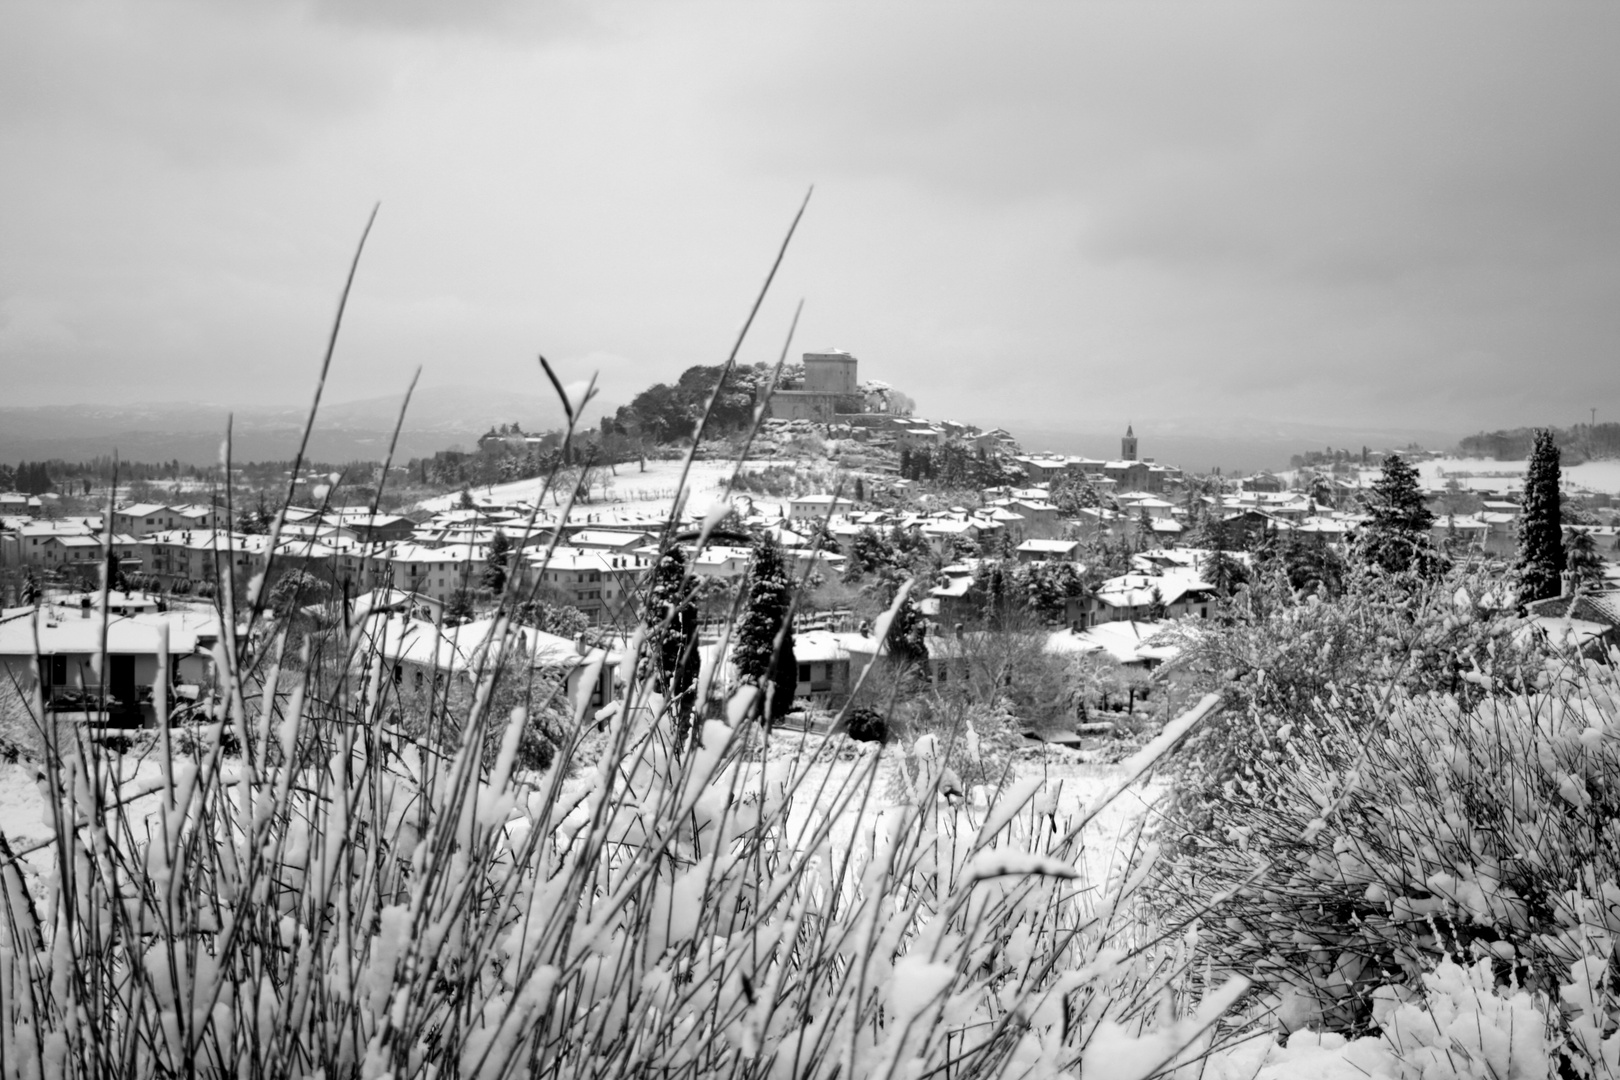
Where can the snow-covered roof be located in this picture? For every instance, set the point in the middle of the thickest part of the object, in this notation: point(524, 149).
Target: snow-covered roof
point(465, 647)
point(1049, 547)
point(1127, 642)
point(64, 631)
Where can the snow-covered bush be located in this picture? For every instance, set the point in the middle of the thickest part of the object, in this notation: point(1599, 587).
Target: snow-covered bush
point(1277, 655)
point(1362, 857)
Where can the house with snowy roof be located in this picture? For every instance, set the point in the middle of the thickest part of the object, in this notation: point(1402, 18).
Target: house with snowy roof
point(71, 643)
point(415, 653)
point(1047, 550)
point(139, 519)
point(1135, 597)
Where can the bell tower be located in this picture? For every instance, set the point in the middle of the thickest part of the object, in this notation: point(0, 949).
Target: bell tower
point(1127, 445)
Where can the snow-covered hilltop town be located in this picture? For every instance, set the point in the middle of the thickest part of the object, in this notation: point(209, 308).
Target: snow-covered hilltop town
point(1102, 557)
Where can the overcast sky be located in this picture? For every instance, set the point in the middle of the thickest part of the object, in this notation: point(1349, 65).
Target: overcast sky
point(1071, 213)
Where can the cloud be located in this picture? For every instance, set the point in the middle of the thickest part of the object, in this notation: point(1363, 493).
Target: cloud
point(198, 84)
point(556, 18)
point(1069, 212)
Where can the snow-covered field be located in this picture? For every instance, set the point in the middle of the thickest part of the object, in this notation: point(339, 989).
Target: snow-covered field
point(626, 489)
point(1490, 474)
point(1075, 784)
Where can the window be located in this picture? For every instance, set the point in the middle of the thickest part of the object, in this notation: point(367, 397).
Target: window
point(804, 672)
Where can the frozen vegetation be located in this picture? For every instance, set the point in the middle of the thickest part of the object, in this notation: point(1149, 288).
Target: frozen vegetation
point(1381, 842)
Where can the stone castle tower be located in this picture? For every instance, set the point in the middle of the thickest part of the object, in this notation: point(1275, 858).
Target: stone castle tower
point(830, 379)
point(1127, 445)
point(830, 372)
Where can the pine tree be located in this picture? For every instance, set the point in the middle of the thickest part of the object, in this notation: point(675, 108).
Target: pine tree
point(1540, 560)
point(1397, 537)
point(494, 575)
point(1397, 501)
point(672, 629)
point(906, 638)
point(1584, 564)
point(765, 615)
point(1223, 571)
point(459, 608)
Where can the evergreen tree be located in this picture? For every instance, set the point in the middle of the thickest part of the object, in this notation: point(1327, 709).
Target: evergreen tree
point(995, 588)
point(907, 637)
point(295, 589)
point(672, 629)
point(459, 608)
point(563, 620)
point(868, 554)
point(495, 571)
point(1541, 537)
point(1397, 502)
point(1156, 611)
point(1223, 571)
point(1584, 564)
point(1396, 537)
point(767, 613)
point(1048, 587)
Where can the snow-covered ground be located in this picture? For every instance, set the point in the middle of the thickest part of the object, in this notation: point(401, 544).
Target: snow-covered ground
point(1076, 785)
point(626, 489)
point(1490, 475)
point(23, 817)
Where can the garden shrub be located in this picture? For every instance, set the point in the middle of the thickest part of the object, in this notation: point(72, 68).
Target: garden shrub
point(1460, 830)
point(1278, 656)
point(867, 725)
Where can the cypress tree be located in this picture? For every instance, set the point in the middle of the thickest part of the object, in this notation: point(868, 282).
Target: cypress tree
point(1541, 534)
point(767, 613)
point(672, 630)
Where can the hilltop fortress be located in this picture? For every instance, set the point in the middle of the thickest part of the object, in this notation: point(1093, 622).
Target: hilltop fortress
point(830, 389)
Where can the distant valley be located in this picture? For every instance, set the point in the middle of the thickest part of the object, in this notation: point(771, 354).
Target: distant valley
point(191, 433)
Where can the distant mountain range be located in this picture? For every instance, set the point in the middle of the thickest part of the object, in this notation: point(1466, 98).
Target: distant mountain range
point(440, 417)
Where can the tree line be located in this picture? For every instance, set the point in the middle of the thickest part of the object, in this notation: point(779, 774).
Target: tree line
point(1581, 441)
